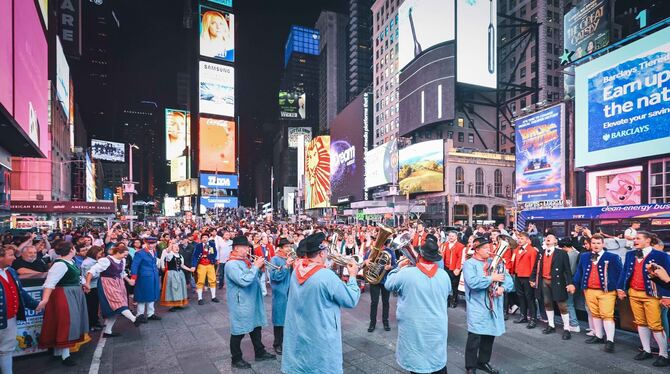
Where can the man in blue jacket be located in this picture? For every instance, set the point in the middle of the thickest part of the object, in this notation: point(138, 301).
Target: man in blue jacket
point(145, 278)
point(13, 301)
point(597, 275)
point(279, 280)
point(645, 303)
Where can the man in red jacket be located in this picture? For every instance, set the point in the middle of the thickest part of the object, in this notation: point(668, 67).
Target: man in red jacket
point(452, 251)
point(523, 260)
point(266, 250)
point(419, 238)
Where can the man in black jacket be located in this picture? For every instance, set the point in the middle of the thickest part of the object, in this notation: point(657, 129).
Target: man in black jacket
point(552, 275)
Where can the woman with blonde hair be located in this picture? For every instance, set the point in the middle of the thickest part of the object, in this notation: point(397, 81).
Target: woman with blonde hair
point(216, 36)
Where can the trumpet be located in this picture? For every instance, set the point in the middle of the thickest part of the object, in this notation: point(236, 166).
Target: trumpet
point(266, 262)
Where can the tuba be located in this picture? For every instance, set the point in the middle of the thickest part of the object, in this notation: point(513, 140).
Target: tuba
point(505, 243)
point(378, 258)
point(402, 244)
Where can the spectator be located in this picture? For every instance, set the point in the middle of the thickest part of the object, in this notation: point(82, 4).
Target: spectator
point(29, 265)
point(92, 300)
point(631, 233)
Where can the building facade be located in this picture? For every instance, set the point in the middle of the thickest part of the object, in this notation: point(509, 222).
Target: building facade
point(359, 52)
point(332, 66)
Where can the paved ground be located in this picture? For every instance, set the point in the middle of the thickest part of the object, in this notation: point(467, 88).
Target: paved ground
point(195, 340)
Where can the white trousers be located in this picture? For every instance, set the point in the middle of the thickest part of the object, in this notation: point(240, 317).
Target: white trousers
point(149, 307)
point(7, 344)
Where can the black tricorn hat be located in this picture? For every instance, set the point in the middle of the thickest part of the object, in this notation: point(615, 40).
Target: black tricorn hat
point(429, 250)
point(283, 242)
point(311, 243)
point(241, 240)
point(479, 241)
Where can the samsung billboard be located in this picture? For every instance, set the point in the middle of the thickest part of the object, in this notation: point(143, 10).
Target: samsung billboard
point(217, 89)
point(423, 24)
point(476, 42)
point(623, 110)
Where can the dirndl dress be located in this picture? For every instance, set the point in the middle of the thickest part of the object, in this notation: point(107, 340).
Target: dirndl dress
point(173, 292)
point(112, 290)
point(65, 323)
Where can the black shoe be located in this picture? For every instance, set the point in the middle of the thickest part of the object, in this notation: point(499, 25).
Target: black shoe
point(266, 356)
point(154, 317)
point(566, 335)
point(215, 300)
point(661, 362)
point(609, 347)
point(506, 317)
point(241, 364)
point(471, 371)
point(138, 322)
point(69, 362)
point(278, 349)
point(487, 368)
point(549, 330)
point(201, 302)
point(532, 324)
point(112, 335)
point(594, 340)
point(387, 327)
point(143, 319)
point(454, 304)
point(642, 356)
point(522, 319)
point(173, 309)
point(372, 326)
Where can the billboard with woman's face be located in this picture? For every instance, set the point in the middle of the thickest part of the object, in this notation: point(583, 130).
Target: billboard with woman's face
point(177, 134)
point(217, 34)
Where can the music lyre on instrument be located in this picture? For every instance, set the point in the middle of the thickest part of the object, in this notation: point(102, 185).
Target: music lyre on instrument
point(375, 271)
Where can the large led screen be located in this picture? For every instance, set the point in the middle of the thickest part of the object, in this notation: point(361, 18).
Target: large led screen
point(539, 156)
point(614, 187)
point(587, 27)
point(317, 173)
point(292, 104)
point(178, 169)
point(214, 202)
point(421, 25)
point(477, 27)
point(421, 167)
point(62, 79)
point(347, 153)
point(31, 82)
point(177, 133)
point(622, 111)
point(217, 89)
point(6, 56)
point(108, 151)
point(210, 183)
point(217, 34)
point(381, 164)
point(217, 145)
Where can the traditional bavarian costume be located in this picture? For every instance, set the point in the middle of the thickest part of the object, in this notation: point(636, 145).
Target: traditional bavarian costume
point(174, 292)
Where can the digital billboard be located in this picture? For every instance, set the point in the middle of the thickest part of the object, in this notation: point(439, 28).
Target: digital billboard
point(178, 169)
point(177, 133)
point(294, 132)
point(6, 56)
point(209, 183)
point(615, 187)
point(187, 187)
point(587, 27)
point(421, 167)
point(623, 112)
point(228, 3)
point(213, 202)
point(217, 34)
point(421, 25)
point(31, 80)
point(62, 79)
point(347, 154)
point(381, 164)
point(292, 104)
point(90, 180)
point(217, 89)
point(217, 145)
point(317, 173)
point(108, 151)
point(476, 44)
point(539, 156)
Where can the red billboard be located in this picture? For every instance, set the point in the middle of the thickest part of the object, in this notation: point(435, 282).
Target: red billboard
point(6, 56)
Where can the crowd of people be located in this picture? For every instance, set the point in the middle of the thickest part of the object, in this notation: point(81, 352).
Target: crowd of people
point(93, 276)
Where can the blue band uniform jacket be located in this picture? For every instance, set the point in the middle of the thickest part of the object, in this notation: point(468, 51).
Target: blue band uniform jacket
point(477, 284)
point(584, 267)
point(656, 256)
point(244, 297)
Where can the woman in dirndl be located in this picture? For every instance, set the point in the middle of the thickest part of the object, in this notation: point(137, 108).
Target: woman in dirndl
point(111, 290)
point(174, 293)
point(65, 323)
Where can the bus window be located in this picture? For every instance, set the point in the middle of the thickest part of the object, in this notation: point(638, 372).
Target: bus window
point(557, 228)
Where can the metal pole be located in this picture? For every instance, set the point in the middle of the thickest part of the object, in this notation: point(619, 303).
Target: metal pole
point(130, 177)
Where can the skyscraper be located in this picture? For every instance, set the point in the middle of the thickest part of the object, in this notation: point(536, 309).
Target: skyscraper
point(332, 66)
point(359, 52)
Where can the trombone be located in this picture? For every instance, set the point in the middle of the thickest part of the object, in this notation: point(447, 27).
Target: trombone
point(338, 258)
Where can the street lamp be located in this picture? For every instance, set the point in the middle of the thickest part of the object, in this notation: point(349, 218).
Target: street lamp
point(130, 177)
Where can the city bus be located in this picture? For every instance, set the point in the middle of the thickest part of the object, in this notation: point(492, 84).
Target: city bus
point(610, 220)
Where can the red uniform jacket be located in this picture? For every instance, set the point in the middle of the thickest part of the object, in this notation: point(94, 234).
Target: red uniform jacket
point(452, 257)
point(258, 251)
point(524, 261)
point(415, 240)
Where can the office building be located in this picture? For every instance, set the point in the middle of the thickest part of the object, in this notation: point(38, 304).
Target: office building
point(332, 66)
point(359, 53)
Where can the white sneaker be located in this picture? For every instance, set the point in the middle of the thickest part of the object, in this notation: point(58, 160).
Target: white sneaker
point(513, 309)
point(576, 329)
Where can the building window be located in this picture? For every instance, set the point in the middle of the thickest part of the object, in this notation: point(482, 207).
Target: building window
point(503, 140)
point(460, 180)
point(497, 179)
point(460, 122)
point(479, 181)
point(522, 72)
point(471, 138)
point(450, 134)
point(550, 80)
point(659, 181)
point(461, 137)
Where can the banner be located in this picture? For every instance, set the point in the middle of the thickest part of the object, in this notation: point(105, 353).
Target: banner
point(28, 331)
point(587, 27)
point(623, 103)
point(539, 156)
point(317, 173)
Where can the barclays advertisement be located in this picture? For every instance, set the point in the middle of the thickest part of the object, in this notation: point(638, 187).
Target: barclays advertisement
point(539, 156)
point(624, 111)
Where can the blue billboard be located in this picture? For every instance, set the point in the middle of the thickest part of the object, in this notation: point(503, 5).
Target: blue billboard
point(539, 156)
point(213, 202)
point(622, 109)
point(218, 181)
